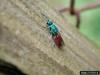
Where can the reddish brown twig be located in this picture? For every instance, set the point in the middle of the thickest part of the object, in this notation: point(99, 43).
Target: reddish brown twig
point(78, 20)
point(72, 7)
point(73, 12)
point(76, 12)
point(89, 6)
point(64, 9)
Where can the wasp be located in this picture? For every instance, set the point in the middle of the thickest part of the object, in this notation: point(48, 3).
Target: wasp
point(54, 31)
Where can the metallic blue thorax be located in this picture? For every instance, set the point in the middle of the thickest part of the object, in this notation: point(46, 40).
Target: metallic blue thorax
point(52, 27)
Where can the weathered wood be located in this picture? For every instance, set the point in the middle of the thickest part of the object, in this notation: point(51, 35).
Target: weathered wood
point(25, 42)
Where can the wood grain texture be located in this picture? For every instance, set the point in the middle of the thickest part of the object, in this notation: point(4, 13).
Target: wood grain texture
point(25, 42)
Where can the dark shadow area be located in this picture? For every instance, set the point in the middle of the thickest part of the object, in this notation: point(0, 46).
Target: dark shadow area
point(9, 69)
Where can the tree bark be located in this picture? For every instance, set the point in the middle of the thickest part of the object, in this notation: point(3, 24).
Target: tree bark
point(26, 43)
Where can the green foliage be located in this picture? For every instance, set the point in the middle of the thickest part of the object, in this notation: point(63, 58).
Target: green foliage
point(90, 25)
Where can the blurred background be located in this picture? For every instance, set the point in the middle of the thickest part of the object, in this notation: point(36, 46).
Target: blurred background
point(90, 19)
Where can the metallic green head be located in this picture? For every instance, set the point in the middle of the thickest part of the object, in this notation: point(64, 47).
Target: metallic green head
point(49, 23)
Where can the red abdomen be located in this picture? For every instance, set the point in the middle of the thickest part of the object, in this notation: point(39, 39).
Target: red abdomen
point(58, 40)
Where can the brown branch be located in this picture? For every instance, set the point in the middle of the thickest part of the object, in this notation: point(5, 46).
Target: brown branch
point(76, 12)
point(72, 7)
point(89, 6)
point(78, 20)
point(73, 12)
point(64, 9)
point(84, 8)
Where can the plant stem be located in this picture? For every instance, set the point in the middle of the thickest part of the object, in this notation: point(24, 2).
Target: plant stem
point(89, 6)
point(76, 12)
point(72, 7)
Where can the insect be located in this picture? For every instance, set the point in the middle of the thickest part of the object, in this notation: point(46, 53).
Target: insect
point(58, 40)
point(54, 31)
point(52, 28)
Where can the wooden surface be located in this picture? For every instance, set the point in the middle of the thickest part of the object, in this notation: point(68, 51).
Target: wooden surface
point(26, 43)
